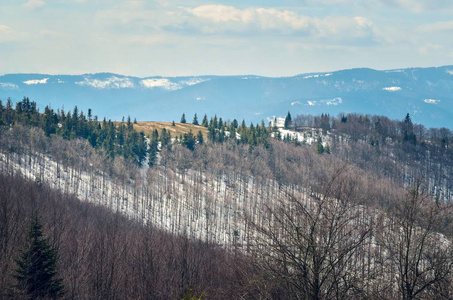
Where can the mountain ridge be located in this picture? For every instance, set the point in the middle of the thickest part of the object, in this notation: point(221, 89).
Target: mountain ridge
point(425, 93)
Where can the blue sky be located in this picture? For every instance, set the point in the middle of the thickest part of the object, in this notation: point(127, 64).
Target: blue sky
point(270, 38)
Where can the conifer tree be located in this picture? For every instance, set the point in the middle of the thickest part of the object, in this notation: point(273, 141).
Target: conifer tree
point(183, 118)
point(200, 138)
point(188, 140)
point(205, 121)
point(287, 120)
point(195, 120)
point(36, 267)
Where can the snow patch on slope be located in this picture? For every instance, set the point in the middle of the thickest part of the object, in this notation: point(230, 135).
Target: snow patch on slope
point(392, 89)
point(395, 71)
point(450, 72)
point(8, 86)
point(36, 81)
point(431, 101)
point(317, 75)
point(163, 83)
point(193, 81)
point(335, 101)
point(109, 83)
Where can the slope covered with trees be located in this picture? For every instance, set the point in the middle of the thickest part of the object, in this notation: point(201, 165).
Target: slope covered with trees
point(250, 212)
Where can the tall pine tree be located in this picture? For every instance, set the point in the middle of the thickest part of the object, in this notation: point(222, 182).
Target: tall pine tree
point(36, 267)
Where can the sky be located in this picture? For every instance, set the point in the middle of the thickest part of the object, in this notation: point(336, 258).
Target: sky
point(176, 38)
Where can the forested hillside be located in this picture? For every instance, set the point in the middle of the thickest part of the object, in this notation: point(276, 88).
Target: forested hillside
point(323, 207)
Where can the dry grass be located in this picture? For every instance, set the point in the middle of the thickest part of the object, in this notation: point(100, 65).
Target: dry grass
point(178, 129)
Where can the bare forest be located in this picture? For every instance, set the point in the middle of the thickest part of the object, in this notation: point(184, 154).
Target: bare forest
point(347, 207)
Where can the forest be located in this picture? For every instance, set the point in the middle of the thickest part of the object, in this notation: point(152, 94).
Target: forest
point(349, 207)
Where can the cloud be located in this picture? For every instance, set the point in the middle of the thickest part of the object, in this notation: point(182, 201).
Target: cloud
point(153, 22)
point(436, 27)
point(229, 18)
point(418, 6)
point(5, 29)
point(413, 6)
point(218, 19)
point(33, 4)
point(46, 33)
point(429, 48)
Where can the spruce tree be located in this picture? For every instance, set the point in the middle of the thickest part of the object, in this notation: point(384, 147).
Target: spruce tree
point(183, 118)
point(200, 138)
point(195, 120)
point(36, 267)
point(288, 120)
point(205, 121)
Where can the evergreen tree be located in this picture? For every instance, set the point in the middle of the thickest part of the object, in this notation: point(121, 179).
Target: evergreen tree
point(183, 118)
point(319, 147)
point(408, 130)
point(200, 138)
point(36, 268)
point(195, 120)
point(173, 123)
point(220, 124)
point(188, 140)
point(205, 121)
point(288, 120)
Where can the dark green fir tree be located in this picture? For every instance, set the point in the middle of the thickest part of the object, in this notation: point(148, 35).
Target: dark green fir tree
point(195, 120)
point(36, 273)
point(205, 121)
point(288, 120)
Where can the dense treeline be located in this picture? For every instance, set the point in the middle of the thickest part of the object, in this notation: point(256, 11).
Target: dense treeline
point(121, 140)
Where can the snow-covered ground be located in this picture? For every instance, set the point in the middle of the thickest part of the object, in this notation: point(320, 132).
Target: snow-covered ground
point(204, 206)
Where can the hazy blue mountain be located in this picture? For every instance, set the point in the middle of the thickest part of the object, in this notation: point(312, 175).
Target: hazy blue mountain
point(425, 93)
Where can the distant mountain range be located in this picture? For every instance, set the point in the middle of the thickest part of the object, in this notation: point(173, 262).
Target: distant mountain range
point(425, 93)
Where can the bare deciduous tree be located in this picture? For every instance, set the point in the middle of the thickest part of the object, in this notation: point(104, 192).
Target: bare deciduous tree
point(421, 256)
point(311, 246)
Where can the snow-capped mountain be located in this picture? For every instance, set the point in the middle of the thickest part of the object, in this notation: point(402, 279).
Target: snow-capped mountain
point(425, 93)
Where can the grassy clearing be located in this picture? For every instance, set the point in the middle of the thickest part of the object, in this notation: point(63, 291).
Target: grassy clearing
point(178, 129)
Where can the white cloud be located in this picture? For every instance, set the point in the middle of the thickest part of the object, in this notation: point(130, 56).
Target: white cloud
point(429, 48)
point(5, 29)
point(216, 18)
point(33, 4)
point(49, 33)
point(264, 18)
point(36, 81)
point(436, 27)
point(419, 6)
